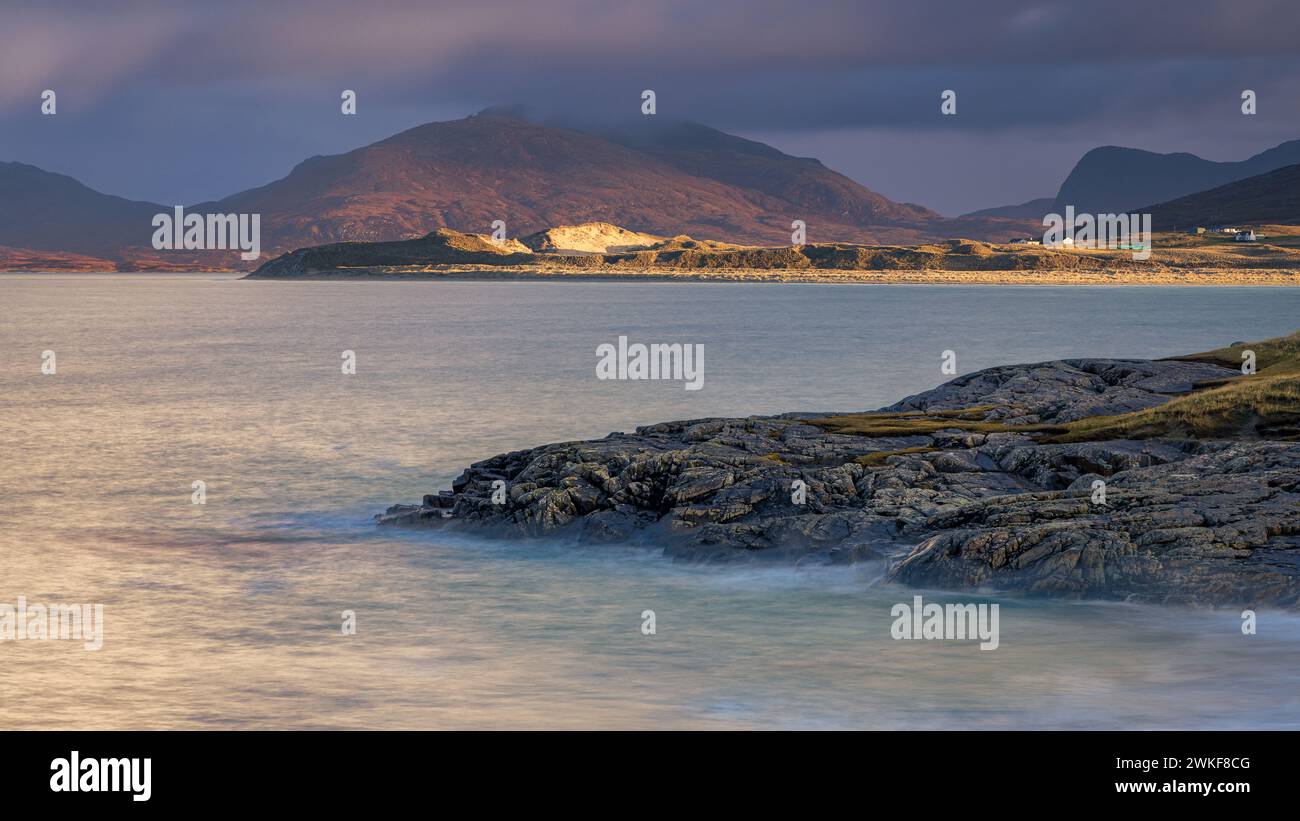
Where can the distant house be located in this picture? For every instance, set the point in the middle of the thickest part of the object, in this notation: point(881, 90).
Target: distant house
point(1197, 231)
point(1026, 241)
point(1246, 236)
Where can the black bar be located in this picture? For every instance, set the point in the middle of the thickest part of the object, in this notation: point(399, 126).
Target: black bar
point(330, 770)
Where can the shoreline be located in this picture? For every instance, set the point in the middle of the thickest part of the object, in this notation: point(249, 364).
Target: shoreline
point(1235, 277)
point(1118, 279)
point(1106, 479)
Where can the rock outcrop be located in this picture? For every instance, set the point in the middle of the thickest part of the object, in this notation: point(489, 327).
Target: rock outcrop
point(443, 246)
point(1066, 390)
point(957, 487)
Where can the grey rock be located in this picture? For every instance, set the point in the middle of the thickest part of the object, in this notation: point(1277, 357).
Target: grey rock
point(1217, 528)
point(1066, 390)
point(1206, 522)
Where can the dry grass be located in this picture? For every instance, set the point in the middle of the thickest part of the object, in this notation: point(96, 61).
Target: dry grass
point(914, 423)
point(575, 252)
point(1264, 405)
point(880, 457)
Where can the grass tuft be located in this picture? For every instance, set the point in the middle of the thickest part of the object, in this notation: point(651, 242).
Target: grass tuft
point(1264, 405)
point(880, 457)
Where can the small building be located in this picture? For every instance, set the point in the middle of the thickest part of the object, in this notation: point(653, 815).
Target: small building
point(1025, 241)
point(1246, 236)
point(1197, 231)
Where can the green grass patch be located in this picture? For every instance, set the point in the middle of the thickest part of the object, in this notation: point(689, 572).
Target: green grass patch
point(870, 460)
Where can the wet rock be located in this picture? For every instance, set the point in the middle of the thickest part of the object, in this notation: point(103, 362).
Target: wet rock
point(1211, 529)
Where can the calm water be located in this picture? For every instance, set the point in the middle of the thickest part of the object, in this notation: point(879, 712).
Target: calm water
point(227, 614)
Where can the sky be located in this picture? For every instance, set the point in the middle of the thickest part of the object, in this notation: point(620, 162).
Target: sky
point(189, 100)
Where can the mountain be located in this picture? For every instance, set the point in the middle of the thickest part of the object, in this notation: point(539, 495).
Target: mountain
point(669, 179)
point(465, 174)
point(51, 222)
point(1031, 210)
point(1272, 198)
point(766, 172)
point(1114, 180)
point(41, 210)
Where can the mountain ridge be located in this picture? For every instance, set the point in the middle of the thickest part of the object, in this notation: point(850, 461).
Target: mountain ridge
point(1114, 179)
point(675, 178)
point(646, 177)
point(1269, 198)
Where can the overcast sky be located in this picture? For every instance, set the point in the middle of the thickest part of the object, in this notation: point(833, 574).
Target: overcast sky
point(187, 100)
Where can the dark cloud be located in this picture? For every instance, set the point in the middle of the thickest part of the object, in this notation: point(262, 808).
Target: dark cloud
point(181, 101)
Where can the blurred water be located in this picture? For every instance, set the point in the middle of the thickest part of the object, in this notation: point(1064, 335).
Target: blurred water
point(228, 614)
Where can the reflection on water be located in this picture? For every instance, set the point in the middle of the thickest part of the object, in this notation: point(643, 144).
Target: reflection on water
point(228, 614)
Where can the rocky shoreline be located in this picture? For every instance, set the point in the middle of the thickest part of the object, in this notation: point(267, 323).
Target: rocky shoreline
point(968, 486)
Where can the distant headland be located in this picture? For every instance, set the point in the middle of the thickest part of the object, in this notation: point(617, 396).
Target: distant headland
point(601, 251)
